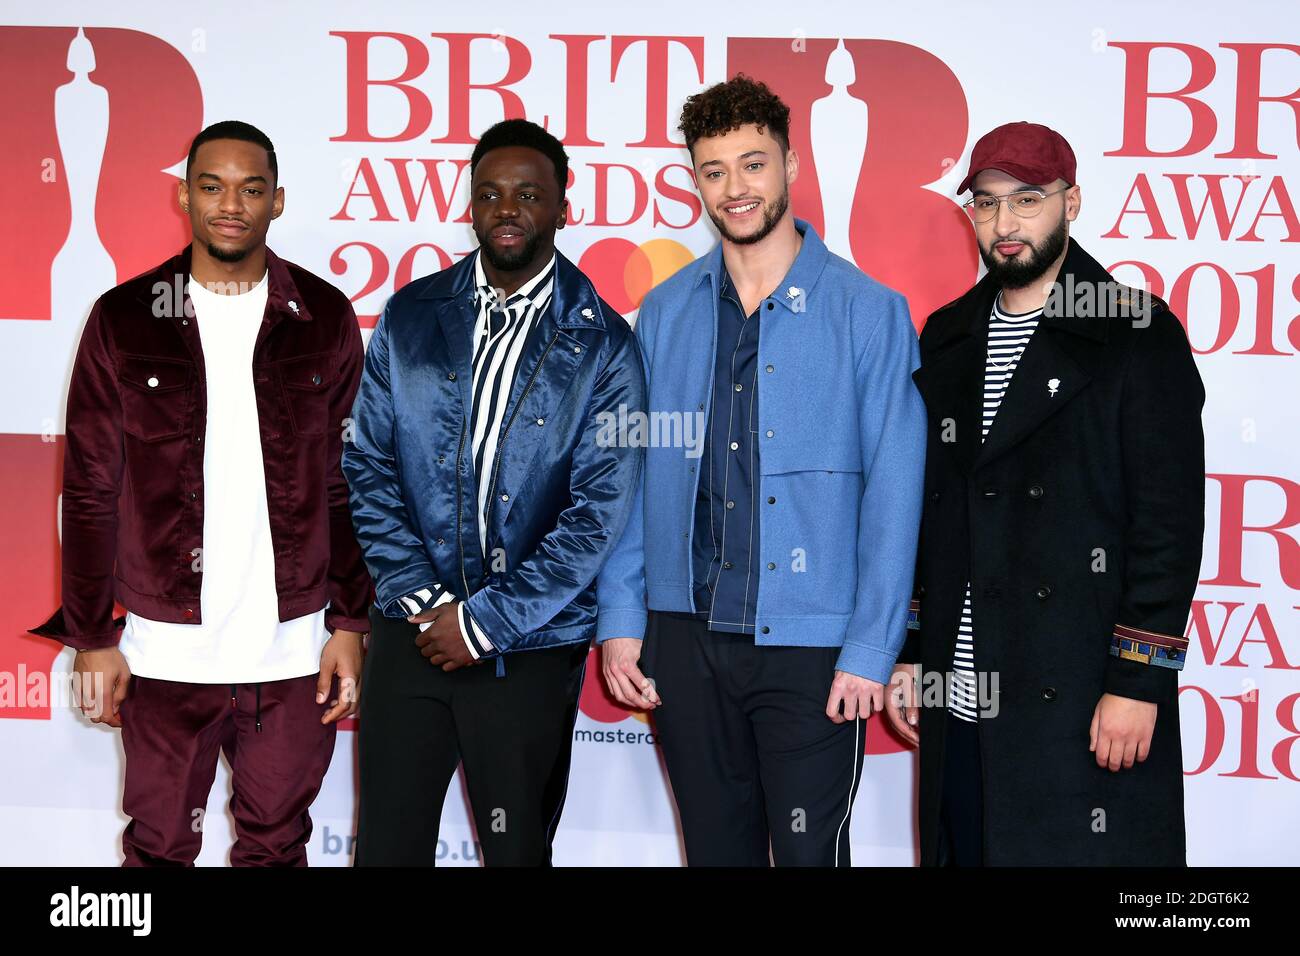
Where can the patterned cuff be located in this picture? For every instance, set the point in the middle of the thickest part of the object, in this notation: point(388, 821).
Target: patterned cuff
point(475, 639)
point(424, 599)
point(914, 615)
point(1148, 647)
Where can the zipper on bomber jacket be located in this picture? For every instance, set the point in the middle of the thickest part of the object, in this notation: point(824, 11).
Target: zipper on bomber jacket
point(496, 464)
point(460, 540)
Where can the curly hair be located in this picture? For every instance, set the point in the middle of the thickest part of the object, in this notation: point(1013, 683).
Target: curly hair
point(728, 106)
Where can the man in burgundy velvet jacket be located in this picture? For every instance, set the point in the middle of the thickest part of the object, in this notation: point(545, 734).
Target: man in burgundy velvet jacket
point(202, 489)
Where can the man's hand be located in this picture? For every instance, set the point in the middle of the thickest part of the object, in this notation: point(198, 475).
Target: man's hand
point(441, 642)
point(858, 695)
point(901, 704)
point(619, 657)
point(104, 676)
point(1121, 731)
point(342, 655)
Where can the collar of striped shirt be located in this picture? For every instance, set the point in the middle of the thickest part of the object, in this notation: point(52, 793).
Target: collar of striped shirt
point(536, 290)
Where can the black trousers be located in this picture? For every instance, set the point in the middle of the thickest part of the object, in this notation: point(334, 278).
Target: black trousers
point(513, 733)
point(753, 760)
point(961, 812)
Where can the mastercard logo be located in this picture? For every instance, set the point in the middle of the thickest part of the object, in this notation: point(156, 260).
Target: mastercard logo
point(623, 272)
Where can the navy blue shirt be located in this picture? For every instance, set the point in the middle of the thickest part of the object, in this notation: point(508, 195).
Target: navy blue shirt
point(726, 548)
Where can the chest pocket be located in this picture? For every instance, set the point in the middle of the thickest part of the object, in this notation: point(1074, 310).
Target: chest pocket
point(157, 397)
point(307, 383)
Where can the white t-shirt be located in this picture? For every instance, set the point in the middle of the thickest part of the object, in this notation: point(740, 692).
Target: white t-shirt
point(241, 639)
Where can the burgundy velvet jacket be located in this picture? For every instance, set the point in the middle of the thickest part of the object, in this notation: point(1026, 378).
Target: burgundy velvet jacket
point(133, 459)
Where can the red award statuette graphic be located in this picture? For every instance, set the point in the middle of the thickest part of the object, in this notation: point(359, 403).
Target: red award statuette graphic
point(94, 117)
point(874, 123)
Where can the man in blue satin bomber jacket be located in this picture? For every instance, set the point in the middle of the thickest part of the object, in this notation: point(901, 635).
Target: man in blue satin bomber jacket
point(774, 545)
point(487, 490)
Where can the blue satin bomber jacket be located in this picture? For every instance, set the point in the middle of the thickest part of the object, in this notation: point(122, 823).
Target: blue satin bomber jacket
point(563, 489)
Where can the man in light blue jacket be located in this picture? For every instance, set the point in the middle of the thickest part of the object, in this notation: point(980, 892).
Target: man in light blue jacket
point(774, 536)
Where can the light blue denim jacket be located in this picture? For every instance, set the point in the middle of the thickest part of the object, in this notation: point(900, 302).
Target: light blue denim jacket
point(842, 435)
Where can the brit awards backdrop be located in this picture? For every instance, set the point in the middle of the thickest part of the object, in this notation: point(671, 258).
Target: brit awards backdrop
point(1186, 121)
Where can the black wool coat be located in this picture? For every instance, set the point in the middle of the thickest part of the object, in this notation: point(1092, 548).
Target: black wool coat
point(1078, 524)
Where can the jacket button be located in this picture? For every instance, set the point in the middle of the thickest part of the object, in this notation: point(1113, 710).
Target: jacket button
point(726, 565)
point(771, 501)
point(730, 505)
point(577, 350)
point(541, 421)
point(1036, 491)
point(451, 376)
point(315, 379)
point(153, 381)
point(505, 497)
point(185, 321)
point(771, 566)
point(193, 496)
point(1049, 693)
point(770, 433)
point(1043, 593)
point(990, 492)
point(441, 542)
point(770, 306)
point(771, 368)
point(189, 613)
point(767, 630)
point(442, 459)
point(197, 439)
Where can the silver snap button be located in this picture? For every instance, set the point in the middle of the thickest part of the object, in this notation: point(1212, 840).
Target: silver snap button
point(153, 381)
point(541, 421)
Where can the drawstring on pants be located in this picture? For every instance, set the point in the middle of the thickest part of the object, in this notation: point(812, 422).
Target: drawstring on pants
point(257, 698)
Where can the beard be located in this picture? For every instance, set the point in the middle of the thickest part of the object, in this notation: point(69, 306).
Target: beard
point(226, 255)
point(510, 261)
point(1015, 273)
point(771, 217)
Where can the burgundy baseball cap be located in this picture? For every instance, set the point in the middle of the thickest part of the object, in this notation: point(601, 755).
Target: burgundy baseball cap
point(1028, 151)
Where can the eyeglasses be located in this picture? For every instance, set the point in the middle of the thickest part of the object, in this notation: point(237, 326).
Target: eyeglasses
point(1025, 203)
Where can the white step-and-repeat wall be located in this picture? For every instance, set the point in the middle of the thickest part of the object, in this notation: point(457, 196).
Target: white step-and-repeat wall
point(1185, 119)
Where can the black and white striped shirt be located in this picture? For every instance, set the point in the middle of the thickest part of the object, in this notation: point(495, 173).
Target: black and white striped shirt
point(500, 334)
point(1008, 336)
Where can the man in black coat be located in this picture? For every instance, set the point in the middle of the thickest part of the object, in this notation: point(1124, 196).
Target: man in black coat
point(1060, 542)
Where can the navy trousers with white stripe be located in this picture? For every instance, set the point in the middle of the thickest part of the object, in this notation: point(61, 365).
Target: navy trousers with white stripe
point(752, 757)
